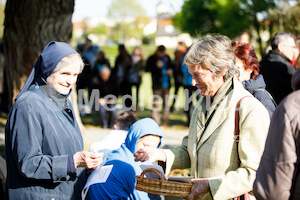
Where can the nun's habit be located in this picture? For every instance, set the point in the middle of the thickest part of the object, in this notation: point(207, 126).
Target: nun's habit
point(42, 135)
point(121, 181)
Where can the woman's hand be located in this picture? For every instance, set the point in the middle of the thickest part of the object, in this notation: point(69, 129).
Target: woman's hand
point(89, 160)
point(149, 153)
point(200, 188)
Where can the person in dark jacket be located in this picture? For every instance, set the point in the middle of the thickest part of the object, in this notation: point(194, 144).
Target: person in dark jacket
point(177, 73)
point(101, 61)
point(43, 143)
point(276, 67)
point(137, 70)
point(247, 62)
point(108, 88)
point(278, 174)
point(160, 66)
point(84, 78)
point(123, 64)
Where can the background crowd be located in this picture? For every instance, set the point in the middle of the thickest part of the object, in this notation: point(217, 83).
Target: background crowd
point(119, 79)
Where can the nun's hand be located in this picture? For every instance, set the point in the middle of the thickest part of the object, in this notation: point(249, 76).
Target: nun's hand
point(89, 160)
point(149, 153)
point(199, 189)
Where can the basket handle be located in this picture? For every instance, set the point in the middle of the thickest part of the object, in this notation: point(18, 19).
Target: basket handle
point(177, 171)
point(153, 170)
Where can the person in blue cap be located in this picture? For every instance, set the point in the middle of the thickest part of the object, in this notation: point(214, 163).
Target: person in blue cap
point(43, 143)
point(121, 181)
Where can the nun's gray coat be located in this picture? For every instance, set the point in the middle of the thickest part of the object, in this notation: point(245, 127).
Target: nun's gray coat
point(40, 135)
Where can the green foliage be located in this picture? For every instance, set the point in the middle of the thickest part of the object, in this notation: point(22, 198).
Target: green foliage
point(131, 20)
point(290, 18)
point(228, 17)
point(99, 30)
point(149, 39)
point(196, 17)
point(111, 53)
point(256, 6)
point(2, 16)
point(233, 20)
point(125, 8)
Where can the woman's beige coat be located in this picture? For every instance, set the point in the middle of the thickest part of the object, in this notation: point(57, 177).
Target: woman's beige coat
point(211, 152)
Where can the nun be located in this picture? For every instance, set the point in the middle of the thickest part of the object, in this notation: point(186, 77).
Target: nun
point(43, 143)
point(121, 181)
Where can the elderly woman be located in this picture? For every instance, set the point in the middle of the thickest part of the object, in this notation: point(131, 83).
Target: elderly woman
point(248, 65)
point(42, 139)
point(223, 167)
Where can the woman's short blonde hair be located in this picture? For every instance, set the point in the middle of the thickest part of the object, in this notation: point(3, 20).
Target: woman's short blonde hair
point(71, 59)
point(213, 52)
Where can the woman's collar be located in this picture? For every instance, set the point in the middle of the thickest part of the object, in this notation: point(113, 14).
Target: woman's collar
point(59, 99)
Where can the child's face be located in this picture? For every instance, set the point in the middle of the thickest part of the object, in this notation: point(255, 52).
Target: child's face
point(148, 141)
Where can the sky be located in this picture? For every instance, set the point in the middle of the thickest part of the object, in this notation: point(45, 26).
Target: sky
point(98, 8)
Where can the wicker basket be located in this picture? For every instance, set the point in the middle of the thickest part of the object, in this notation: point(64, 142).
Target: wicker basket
point(162, 187)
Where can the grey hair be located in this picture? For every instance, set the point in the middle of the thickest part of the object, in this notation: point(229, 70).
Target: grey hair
point(213, 52)
point(71, 59)
point(280, 37)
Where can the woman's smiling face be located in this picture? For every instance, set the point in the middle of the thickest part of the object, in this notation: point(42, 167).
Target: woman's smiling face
point(205, 81)
point(63, 79)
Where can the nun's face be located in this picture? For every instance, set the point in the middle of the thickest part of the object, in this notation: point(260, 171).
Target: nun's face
point(63, 79)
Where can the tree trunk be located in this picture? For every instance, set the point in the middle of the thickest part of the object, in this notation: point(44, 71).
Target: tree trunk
point(29, 26)
point(73, 98)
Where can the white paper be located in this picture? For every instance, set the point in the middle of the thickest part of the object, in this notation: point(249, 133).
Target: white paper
point(99, 175)
point(153, 174)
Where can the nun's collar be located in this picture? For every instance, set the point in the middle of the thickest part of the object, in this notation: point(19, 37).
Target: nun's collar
point(59, 99)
